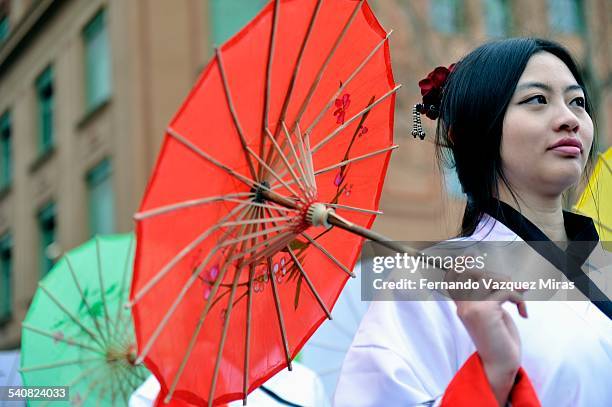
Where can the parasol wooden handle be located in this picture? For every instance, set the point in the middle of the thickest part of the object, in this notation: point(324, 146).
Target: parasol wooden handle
point(338, 221)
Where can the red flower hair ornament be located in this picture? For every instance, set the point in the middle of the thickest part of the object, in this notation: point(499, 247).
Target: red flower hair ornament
point(432, 88)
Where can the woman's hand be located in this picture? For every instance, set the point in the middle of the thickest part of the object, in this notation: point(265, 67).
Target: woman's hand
point(494, 334)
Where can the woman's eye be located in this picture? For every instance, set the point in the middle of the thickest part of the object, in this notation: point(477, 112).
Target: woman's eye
point(579, 101)
point(535, 100)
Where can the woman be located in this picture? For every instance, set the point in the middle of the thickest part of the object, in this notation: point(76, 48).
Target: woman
point(515, 117)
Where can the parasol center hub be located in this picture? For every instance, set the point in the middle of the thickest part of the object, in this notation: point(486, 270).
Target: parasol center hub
point(317, 214)
point(257, 192)
point(113, 355)
point(132, 354)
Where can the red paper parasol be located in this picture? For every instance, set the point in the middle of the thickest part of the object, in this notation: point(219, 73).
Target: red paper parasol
point(288, 131)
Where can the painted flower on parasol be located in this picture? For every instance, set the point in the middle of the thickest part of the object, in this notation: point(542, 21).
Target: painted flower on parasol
point(77, 332)
point(267, 182)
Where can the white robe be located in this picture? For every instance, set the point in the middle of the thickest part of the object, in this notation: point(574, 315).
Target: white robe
point(301, 386)
point(406, 353)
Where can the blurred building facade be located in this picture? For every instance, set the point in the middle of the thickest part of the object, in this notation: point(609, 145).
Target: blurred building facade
point(88, 86)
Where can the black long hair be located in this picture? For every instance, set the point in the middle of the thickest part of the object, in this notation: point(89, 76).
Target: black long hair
point(474, 102)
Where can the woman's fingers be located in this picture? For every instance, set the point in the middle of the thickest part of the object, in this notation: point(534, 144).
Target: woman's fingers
point(516, 297)
point(474, 308)
point(486, 283)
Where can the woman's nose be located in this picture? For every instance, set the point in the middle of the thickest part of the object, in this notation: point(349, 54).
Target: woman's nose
point(566, 120)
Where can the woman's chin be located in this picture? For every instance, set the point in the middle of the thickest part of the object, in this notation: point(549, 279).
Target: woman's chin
point(560, 181)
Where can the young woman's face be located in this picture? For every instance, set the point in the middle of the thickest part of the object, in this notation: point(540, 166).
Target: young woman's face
point(547, 133)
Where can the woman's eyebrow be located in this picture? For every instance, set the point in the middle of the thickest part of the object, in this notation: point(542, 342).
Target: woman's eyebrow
point(547, 88)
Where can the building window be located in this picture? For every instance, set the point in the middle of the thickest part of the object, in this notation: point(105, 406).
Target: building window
point(46, 226)
point(4, 28)
point(227, 17)
point(446, 15)
point(44, 92)
point(6, 278)
point(451, 179)
point(97, 62)
point(497, 17)
point(566, 16)
point(6, 162)
point(452, 184)
point(101, 199)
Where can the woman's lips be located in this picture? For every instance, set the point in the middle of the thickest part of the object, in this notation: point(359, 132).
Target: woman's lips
point(571, 151)
point(568, 147)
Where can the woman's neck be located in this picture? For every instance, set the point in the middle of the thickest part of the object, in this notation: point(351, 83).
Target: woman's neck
point(544, 212)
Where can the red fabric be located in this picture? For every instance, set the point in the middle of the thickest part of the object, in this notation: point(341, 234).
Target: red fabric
point(181, 175)
point(470, 384)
